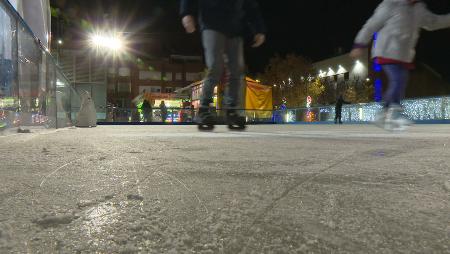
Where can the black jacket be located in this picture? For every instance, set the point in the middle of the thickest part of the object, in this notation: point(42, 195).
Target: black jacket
point(340, 102)
point(146, 104)
point(231, 17)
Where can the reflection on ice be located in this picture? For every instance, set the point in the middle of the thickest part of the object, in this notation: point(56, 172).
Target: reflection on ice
point(99, 217)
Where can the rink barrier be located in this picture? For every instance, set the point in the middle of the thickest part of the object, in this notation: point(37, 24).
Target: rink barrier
point(425, 110)
point(33, 89)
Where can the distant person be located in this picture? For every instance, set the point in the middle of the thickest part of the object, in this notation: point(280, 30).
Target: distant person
point(223, 24)
point(339, 103)
point(397, 24)
point(147, 109)
point(163, 109)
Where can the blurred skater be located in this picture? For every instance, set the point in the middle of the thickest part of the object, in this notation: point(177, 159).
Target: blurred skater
point(397, 24)
point(223, 24)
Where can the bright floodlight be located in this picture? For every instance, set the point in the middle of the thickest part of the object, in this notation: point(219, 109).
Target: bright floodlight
point(359, 67)
point(341, 70)
point(330, 72)
point(107, 42)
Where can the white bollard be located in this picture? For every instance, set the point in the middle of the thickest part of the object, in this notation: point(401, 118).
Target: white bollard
point(87, 117)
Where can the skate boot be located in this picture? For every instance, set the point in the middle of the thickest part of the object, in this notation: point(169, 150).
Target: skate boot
point(235, 121)
point(380, 119)
point(205, 120)
point(396, 120)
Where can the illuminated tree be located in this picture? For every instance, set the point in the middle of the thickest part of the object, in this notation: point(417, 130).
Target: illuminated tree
point(351, 94)
point(316, 89)
point(359, 92)
point(289, 76)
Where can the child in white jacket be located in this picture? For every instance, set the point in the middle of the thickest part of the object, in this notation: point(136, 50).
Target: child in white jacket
point(397, 24)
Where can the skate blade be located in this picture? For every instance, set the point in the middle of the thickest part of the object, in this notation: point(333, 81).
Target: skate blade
point(238, 124)
point(237, 127)
point(397, 128)
point(207, 125)
point(204, 127)
point(380, 124)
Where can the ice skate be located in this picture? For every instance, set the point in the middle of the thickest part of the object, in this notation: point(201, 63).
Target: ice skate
point(395, 120)
point(380, 119)
point(401, 123)
point(235, 121)
point(205, 120)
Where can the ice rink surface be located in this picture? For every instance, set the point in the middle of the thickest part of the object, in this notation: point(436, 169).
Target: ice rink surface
point(271, 189)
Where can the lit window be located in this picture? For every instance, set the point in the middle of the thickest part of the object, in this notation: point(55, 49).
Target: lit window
point(124, 87)
point(150, 75)
point(192, 76)
point(168, 76)
point(155, 89)
point(124, 72)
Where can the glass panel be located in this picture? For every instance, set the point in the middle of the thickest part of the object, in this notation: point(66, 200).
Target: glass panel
point(33, 90)
point(51, 106)
point(9, 102)
point(30, 71)
point(63, 101)
point(75, 103)
point(99, 97)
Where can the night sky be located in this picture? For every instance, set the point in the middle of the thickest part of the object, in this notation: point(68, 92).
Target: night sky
point(314, 29)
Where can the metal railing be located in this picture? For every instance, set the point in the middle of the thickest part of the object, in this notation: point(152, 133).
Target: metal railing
point(33, 89)
point(425, 109)
point(176, 115)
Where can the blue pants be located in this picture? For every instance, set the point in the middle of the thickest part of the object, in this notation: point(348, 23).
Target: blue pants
point(398, 76)
point(220, 50)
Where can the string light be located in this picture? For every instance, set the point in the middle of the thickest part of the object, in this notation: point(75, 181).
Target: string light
point(418, 110)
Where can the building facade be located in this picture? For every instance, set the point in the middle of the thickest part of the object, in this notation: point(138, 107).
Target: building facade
point(342, 71)
point(158, 77)
point(116, 82)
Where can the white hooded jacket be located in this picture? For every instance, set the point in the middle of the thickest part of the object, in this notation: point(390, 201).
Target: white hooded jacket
point(398, 24)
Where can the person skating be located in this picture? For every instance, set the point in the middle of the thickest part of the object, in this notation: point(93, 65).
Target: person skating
point(338, 109)
point(223, 24)
point(397, 24)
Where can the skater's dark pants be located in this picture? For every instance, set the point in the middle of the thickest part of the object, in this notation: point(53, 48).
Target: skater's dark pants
point(338, 116)
point(147, 115)
point(220, 49)
point(398, 76)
